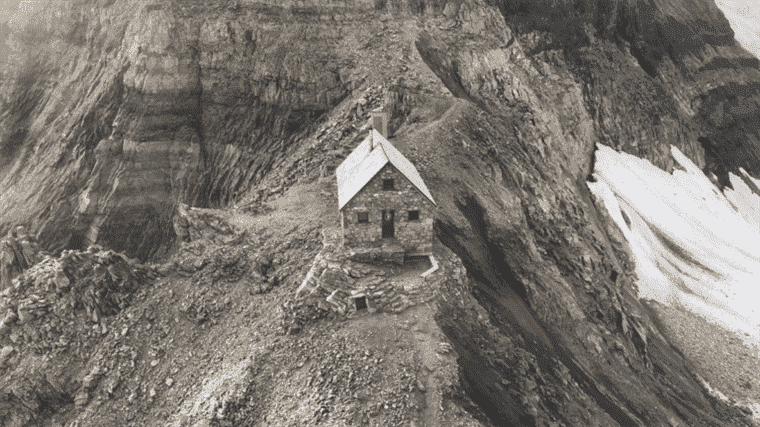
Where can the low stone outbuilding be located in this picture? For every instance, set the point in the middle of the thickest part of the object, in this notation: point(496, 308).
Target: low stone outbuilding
point(383, 200)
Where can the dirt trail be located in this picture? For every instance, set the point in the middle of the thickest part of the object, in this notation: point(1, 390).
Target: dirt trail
point(434, 364)
point(426, 344)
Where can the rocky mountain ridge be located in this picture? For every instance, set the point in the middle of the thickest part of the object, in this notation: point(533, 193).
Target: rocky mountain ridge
point(131, 109)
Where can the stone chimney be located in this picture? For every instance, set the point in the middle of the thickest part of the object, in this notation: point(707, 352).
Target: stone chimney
point(380, 121)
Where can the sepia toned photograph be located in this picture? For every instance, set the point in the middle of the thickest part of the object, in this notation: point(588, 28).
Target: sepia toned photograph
point(379, 213)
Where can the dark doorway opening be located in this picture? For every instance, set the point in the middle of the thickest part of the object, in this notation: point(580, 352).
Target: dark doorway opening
point(614, 276)
point(389, 231)
point(361, 303)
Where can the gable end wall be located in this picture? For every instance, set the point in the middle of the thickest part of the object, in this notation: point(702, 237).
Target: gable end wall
point(414, 236)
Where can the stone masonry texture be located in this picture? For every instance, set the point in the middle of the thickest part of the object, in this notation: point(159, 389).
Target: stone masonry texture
point(414, 236)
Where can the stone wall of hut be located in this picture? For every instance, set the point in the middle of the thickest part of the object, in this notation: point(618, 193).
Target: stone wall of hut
point(415, 236)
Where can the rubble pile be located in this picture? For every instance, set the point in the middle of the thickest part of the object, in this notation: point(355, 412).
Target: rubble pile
point(214, 250)
point(336, 386)
point(39, 310)
point(219, 263)
point(192, 224)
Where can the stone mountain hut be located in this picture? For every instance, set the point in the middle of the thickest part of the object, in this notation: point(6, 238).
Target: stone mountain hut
point(382, 198)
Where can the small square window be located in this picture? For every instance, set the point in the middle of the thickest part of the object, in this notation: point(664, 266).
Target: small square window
point(388, 184)
point(414, 215)
point(363, 217)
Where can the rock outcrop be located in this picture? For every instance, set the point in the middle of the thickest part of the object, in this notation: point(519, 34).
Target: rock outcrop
point(18, 252)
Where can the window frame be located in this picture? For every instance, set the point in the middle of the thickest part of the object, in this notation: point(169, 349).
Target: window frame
point(390, 187)
point(409, 215)
point(359, 219)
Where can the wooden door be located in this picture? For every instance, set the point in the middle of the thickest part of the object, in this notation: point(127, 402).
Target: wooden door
point(389, 231)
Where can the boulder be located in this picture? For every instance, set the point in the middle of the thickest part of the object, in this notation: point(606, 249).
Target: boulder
point(5, 354)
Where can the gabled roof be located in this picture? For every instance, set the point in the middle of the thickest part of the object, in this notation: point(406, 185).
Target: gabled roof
point(365, 162)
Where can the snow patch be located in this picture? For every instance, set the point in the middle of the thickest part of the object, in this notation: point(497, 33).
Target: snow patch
point(745, 21)
point(693, 246)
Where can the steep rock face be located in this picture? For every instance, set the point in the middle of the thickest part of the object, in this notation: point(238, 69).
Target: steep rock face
point(698, 72)
point(145, 165)
point(200, 90)
point(85, 178)
point(135, 108)
point(534, 235)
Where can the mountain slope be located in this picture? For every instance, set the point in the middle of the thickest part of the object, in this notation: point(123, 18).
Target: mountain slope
point(131, 109)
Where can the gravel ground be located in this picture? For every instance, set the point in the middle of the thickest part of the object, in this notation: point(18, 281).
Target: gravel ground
point(722, 358)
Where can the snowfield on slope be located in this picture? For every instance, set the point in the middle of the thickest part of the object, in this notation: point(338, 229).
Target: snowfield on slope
point(744, 21)
point(697, 251)
point(693, 245)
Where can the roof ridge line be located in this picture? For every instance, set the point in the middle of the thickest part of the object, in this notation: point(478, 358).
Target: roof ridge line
point(348, 188)
point(385, 153)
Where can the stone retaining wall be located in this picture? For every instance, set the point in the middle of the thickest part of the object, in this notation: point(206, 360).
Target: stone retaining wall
point(336, 281)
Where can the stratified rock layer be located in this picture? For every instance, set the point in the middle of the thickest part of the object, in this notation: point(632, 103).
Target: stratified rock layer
point(130, 109)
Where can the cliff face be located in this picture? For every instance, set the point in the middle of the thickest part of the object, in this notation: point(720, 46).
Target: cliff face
point(132, 108)
point(147, 105)
point(164, 95)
